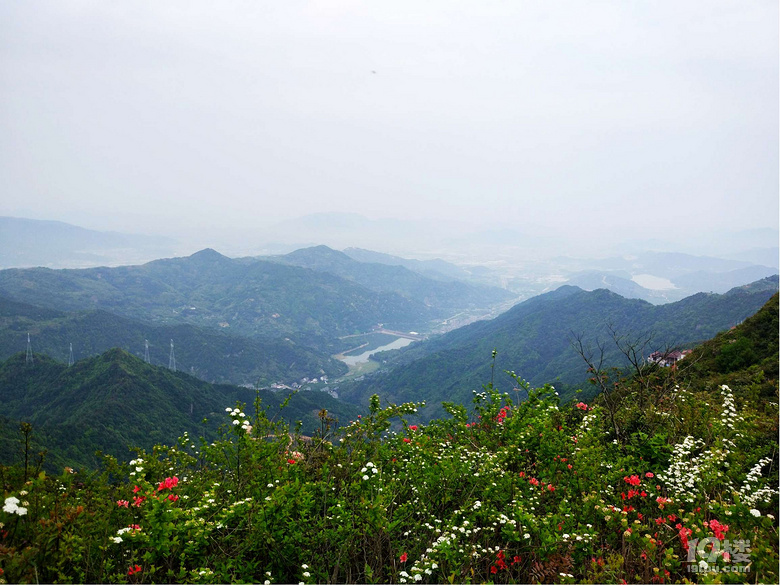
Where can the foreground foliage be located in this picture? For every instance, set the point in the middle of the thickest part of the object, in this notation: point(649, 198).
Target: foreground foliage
point(521, 489)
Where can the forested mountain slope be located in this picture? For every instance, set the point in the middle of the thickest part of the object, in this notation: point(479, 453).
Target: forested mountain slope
point(535, 339)
point(212, 355)
point(115, 401)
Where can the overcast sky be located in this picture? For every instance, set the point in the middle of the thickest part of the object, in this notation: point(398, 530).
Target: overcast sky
point(634, 117)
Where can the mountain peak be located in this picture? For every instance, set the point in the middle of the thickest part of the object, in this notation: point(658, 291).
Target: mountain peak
point(208, 255)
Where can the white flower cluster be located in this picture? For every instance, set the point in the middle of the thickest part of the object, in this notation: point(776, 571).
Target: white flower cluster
point(750, 497)
point(138, 467)
point(729, 415)
point(369, 466)
point(12, 506)
point(239, 418)
point(684, 470)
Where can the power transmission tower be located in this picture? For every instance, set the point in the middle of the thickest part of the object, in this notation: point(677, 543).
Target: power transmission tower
point(146, 351)
point(70, 357)
point(28, 359)
point(172, 359)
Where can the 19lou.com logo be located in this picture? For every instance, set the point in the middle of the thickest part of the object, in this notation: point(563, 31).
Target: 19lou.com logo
point(703, 556)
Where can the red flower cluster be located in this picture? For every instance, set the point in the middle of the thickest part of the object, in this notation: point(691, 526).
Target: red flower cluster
point(138, 500)
point(168, 483)
point(412, 427)
point(719, 529)
point(173, 497)
point(122, 503)
point(684, 533)
point(133, 570)
point(633, 480)
point(581, 406)
point(501, 562)
point(407, 440)
point(403, 557)
point(502, 414)
point(534, 481)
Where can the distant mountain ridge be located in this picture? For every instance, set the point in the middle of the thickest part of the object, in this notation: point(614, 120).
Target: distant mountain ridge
point(30, 242)
point(208, 289)
point(443, 297)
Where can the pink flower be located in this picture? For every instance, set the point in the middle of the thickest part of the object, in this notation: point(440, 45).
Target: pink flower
point(582, 406)
point(412, 427)
point(122, 503)
point(649, 474)
point(138, 500)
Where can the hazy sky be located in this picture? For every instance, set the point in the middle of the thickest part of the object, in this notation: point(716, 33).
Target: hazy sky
point(633, 117)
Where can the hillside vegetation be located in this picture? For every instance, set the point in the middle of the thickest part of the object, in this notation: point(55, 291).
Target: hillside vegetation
point(668, 475)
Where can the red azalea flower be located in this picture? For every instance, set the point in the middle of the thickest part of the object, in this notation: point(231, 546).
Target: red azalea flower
point(633, 480)
point(493, 569)
point(551, 487)
point(412, 427)
point(515, 559)
point(649, 474)
point(122, 503)
point(404, 556)
point(136, 489)
point(534, 481)
point(173, 497)
point(719, 529)
point(133, 570)
point(407, 440)
point(138, 500)
point(291, 461)
point(168, 483)
point(522, 474)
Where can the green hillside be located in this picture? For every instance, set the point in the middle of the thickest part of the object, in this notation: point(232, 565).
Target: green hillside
point(211, 290)
point(115, 400)
point(535, 338)
point(211, 355)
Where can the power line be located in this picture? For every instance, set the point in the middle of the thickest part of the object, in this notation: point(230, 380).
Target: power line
point(28, 359)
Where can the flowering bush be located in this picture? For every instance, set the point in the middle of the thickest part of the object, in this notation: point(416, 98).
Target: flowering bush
point(534, 491)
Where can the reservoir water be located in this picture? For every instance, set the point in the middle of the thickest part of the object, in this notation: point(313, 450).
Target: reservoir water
point(352, 360)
